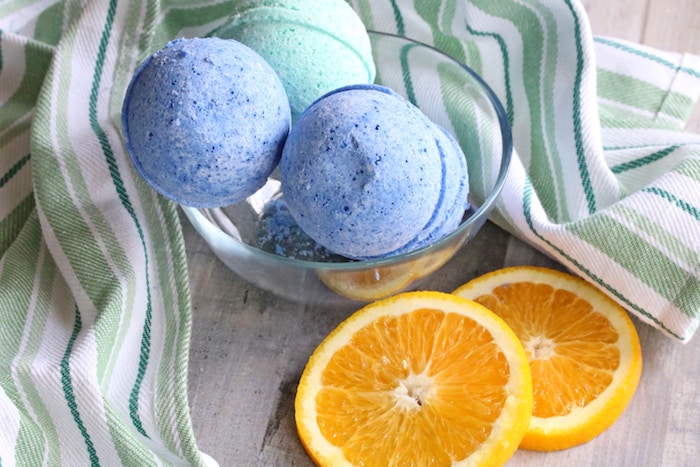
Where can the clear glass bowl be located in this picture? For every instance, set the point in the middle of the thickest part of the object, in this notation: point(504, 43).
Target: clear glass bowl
point(468, 109)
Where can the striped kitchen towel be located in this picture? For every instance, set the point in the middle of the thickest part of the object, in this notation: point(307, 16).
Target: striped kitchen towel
point(95, 310)
point(603, 180)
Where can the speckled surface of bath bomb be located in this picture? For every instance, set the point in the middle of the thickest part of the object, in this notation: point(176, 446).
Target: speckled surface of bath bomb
point(279, 233)
point(204, 121)
point(454, 192)
point(361, 171)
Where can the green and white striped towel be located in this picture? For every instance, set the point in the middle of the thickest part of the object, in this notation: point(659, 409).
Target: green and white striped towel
point(94, 300)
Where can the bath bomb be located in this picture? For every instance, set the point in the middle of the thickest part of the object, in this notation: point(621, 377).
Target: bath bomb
point(205, 120)
point(361, 171)
point(455, 202)
point(314, 45)
point(454, 192)
point(278, 233)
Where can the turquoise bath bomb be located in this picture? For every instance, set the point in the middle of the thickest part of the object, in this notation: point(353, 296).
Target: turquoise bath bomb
point(204, 121)
point(315, 46)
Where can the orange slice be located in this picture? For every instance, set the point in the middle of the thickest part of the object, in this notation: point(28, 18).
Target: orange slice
point(583, 350)
point(373, 284)
point(421, 378)
point(370, 284)
point(435, 260)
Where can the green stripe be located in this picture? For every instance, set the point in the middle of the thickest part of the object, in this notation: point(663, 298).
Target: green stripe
point(26, 263)
point(130, 449)
point(49, 24)
point(506, 68)
point(647, 55)
point(166, 388)
point(48, 275)
point(29, 439)
point(688, 145)
point(109, 335)
point(12, 224)
point(169, 244)
point(406, 73)
point(181, 343)
point(687, 297)
point(605, 233)
point(17, 276)
point(172, 380)
point(14, 170)
point(126, 203)
point(473, 58)
point(37, 60)
point(21, 125)
point(131, 49)
point(364, 10)
point(614, 117)
point(517, 15)
point(11, 6)
point(674, 200)
point(679, 106)
point(536, 85)
point(527, 212)
point(469, 130)
point(659, 233)
point(635, 92)
point(539, 72)
point(643, 161)
point(400, 28)
point(548, 86)
point(176, 19)
point(446, 40)
point(578, 131)
point(67, 384)
point(690, 167)
point(442, 37)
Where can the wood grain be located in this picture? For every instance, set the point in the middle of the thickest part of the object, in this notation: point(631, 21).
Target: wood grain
point(672, 25)
point(248, 347)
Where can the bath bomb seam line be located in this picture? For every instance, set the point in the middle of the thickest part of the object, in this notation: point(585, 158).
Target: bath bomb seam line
point(249, 17)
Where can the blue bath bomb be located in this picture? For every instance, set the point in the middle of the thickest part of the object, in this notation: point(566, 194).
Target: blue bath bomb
point(204, 121)
point(361, 171)
point(279, 233)
point(453, 200)
point(457, 186)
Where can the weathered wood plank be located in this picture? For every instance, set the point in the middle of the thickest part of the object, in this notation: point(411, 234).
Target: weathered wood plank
point(673, 25)
point(624, 19)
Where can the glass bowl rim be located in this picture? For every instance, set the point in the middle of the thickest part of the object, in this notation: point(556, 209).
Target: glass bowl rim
point(483, 210)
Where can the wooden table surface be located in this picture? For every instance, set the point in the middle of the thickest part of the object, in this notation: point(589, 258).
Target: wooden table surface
point(249, 347)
